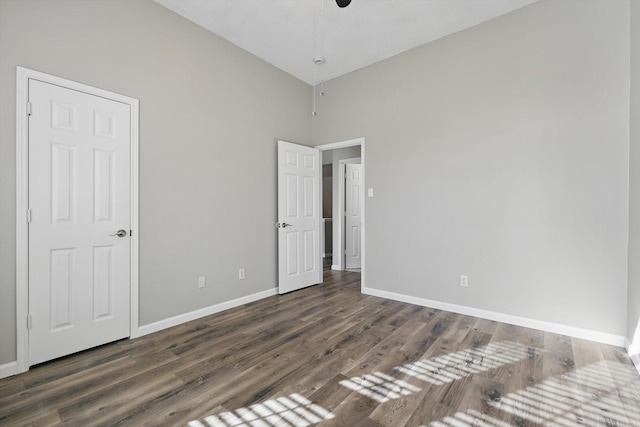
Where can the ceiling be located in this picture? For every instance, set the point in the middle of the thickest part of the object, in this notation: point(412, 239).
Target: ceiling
point(290, 34)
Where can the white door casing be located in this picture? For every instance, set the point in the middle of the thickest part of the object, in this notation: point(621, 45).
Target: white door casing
point(354, 192)
point(299, 218)
point(67, 207)
point(79, 197)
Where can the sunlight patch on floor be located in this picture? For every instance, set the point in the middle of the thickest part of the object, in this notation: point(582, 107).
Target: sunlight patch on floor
point(380, 387)
point(439, 370)
point(291, 411)
point(600, 394)
point(591, 396)
point(454, 366)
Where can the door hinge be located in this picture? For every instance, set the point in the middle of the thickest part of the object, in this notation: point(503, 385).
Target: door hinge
point(130, 232)
point(29, 322)
point(28, 216)
point(29, 106)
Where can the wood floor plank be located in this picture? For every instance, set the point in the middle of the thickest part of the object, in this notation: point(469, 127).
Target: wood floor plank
point(478, 392)
point(10, 388)
point(36, 417)
point(624, 375)
point(430, 372)
point(287, 363)
point(63, 367)
point(332, 393)
point(56, 393)
point(510, 373)
point(329, 355)
point(352, 412)
point(598, 392)
point(198, 397)
point(92, 409)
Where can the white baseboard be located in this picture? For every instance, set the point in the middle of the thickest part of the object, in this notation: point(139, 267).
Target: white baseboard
point(11, 368)
point(336, 267)
point(555, 328)
point(193, 315)
point(8, 369)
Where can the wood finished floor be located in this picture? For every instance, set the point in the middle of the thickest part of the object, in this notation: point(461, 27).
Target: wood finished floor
point(330, 356)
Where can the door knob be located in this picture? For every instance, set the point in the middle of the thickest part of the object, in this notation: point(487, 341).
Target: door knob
point(283, 225)
point(120, 233)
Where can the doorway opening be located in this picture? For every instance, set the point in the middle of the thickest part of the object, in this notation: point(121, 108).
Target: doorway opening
point(343, 219)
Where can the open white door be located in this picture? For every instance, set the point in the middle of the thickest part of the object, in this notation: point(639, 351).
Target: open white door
point(298, 217)
point(353, 215)
point(79, 197)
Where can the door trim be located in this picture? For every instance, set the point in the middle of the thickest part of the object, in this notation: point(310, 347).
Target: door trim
point(22, 202)
point(344, 144)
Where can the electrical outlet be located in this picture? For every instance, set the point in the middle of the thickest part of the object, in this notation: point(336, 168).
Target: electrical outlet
point(464, 281)
point(241, 273)
point(202, 282)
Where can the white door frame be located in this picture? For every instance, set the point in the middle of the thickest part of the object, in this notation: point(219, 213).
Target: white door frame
point(343, 144)
point(23, 75)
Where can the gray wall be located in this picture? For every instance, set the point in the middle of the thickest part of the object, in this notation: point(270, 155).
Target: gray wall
point(633, 301)
point(210, 115)
point(500, 152)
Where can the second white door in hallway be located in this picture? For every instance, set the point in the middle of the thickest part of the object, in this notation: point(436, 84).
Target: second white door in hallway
point(354, 191)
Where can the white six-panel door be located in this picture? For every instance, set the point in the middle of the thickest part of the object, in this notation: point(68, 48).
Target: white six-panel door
point(79, 197)
point(298, 217)
point(353, 215)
